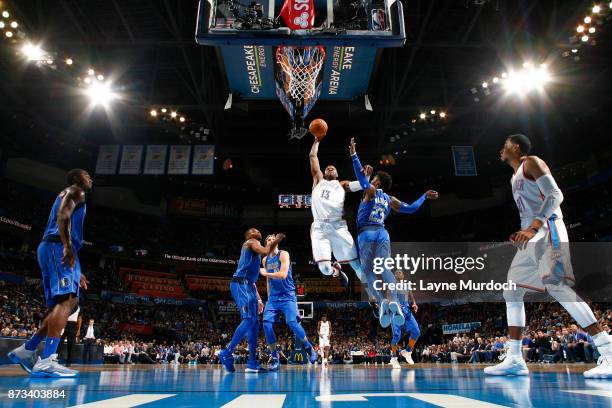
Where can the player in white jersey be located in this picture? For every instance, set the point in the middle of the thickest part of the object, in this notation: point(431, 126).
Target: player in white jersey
point(542, 260)
point(324, 329)
point(329, 232)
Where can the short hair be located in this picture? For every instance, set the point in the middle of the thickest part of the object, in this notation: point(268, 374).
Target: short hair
point(522, 141)
point(72, 175)
point(248, 232)
point(270, 235)
point(385, 180)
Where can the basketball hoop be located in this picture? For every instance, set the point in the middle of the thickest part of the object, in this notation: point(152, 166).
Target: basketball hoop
point(301, 66)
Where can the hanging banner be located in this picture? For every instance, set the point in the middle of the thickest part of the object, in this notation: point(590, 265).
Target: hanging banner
point(155, 161)
point(108, 155)
point(203, 159)
point(131, 158)
point(465, 163)
point(459, 327)
point(179, 159)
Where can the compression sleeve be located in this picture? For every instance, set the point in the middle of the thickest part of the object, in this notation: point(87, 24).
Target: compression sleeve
point(361, 177)
point(355, 186)
point(553, 197)
point(406, 208)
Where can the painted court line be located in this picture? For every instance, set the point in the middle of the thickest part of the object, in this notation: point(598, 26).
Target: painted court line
point(441, 400)
point(127, 401)
point(257, 400)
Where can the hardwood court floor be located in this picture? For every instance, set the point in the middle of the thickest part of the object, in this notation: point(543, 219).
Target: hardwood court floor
point(422, 385)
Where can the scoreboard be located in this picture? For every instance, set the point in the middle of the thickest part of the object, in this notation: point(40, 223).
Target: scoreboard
point(294, 200)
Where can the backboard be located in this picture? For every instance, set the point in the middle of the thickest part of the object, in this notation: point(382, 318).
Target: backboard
point(255, 38)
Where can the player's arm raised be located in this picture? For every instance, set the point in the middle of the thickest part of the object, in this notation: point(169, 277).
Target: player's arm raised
point(355, 185)
point(315, 167)
point(368, 188)
point(405, 208)
point(284, 268)
point(536, 169)
point(72, 197)
point(255, 246)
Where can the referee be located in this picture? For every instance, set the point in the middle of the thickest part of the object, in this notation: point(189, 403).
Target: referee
point(73, 327)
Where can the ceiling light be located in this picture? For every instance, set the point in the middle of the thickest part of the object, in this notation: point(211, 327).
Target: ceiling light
point(596, 9)
point(69, 61)
point(587, 19)
point(5, 14)
point(153, 113)
point(580, 28)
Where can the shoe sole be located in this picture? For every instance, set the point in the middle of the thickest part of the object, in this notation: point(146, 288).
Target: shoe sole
point(17, 360)
point(398, 318)
point(52, 375)
point(254, 371)
point(384, 319)
point(506, 374)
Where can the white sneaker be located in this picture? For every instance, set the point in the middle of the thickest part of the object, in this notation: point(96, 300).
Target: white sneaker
point(397, 316)
point(604, 363)
point(395, 364)
point(512, 365)
point(49, 367)
point(23, 357)
point(407, 356)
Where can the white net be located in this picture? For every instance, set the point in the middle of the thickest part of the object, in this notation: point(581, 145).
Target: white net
point(301, 66)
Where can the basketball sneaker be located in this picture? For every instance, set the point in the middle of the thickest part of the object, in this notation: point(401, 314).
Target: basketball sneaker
point(397, 316)
point(313, 356)
point(604, 363)
point(384, 315)
point(407, 356)
point(227, 359)
point(49, 367)
point(512, 365)
point(339, 274)
point(23, 357)
point(254, 367)
point(395, 364)
point(274, 364)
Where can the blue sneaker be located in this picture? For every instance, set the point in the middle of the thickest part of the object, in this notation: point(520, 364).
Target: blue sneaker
point(313, 357)
point(227, 359)
point(397, 316)
point(274, 365)
point(384, 314)
point(23, 357)
point(254, 367)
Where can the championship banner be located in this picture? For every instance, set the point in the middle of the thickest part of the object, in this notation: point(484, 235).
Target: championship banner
point(459, 327)
point(203, 160)
point(108, 155)
point(155, 161)
point(465, 163)
point(180, 156)
point(131, 158)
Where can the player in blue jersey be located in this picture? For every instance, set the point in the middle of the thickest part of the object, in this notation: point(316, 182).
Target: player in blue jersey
point(281, 299)
point(247, 299)
point(61, 277)
point(373, 239)
point(410, 326)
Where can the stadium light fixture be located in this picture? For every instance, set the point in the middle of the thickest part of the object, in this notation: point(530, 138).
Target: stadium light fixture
point(584, 38)
point(442, 115)
point(5, 14)
point(14, 24)
point(153, 113)
point(596, 9)
point(69, 61)
point(580, 28)
point(592, 30)
point(422, 116)
point(587, 19)
point(33, 52)
point(100, 93)
point(9, 34)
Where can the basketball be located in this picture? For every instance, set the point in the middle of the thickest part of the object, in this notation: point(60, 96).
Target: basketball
point(318, 128)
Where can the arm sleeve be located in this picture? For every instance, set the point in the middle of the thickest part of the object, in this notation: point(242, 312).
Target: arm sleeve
point(361, 177)
point(406, 208)
point(553, 197)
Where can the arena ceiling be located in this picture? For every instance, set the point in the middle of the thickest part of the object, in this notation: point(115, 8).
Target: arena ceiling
point(148, 48)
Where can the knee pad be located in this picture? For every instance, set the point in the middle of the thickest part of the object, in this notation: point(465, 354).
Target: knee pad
point(326, 268)
point(515, 314)
point(516, 295)
point(575, 306)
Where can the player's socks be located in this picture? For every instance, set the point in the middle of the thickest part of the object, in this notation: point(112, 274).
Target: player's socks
point(51, 345)
point(34, 341)
point(514, 347)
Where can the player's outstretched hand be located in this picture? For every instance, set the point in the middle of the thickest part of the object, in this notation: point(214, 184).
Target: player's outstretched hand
point(83, 282)
point(432, 194)
point(368, 170)
point(279, 237)
point(415, 307)
point(352, 146)
point(69, 258)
